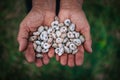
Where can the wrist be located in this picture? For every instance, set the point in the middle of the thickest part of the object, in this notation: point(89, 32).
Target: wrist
point(71, 4)
point(45, 5)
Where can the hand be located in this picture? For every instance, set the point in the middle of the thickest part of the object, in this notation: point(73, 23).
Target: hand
point(72, 9)
point(39, 15)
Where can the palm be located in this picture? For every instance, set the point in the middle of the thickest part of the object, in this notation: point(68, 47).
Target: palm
point(82, 26)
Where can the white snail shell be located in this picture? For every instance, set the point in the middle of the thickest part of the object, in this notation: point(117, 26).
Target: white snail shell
point(60, 45)
point(63, 29)
point(67, 22)
point(72, 46)
point(63, 35)
point(46, 45)
point(65, 40)
point(72, 27)
point(32, 38)
point(70, 35)
point(38, 55)
point(45, 50)
point(60, 24)
point(59, 40)
point(77, 34)
point(82, 38)
point(50, 40)
point(36, 33)
point(40, 29)
point(38, 42)
point(67, 50)
point(54, 45)
point(46, 27)
point(68, 43)
point(38, 49)
point(59, 51)
point(34, 45)
point(54, 23)
point(49, 31)
point(54, 35)
point(77, 42)
point(58, 33)
point(75, 51)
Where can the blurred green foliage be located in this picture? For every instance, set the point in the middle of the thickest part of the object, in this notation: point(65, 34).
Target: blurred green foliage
point(102, 64)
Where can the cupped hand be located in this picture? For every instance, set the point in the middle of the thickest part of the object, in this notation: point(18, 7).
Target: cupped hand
point(31, 22)
point(75, 13)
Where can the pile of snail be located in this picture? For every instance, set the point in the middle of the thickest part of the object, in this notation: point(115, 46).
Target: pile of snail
point(61, 36)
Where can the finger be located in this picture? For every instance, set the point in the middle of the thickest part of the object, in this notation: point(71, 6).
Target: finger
point(38, 62)
point(49, 18)
point(88, 42)
point(57, 57)
point(63, 59)
point(29, 53)
point(23, 37)
point(71, 60)
point(63, 15)
point(79, 56)
point(45, 58)
point(51, 52)
point(82, 25)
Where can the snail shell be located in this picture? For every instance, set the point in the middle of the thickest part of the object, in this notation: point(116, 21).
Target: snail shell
point(54, 35)
point(45, 50)
point(63, 29)
point(60, 24)
point(38, 49)
point(82, 38)
point(72, 46)
point(75, 51)
point(54, 45)
point(36, 33)
point(67, 22)
point(50, 40)
point(46, 27)
point(56, 18)
point(77, 42)
point(59, 51)
point(60, 45)
point(58, 33)
point(68, 43)
point(38, 42)
point(65, 40)
point(70, 35)
point(57, 28)
point(32, 38)
point(46, 46)
point(54, 23)
point(40, 29)
point(59, 40)
point(77, 34)
point(44, 36)
point(66, 49)
point(34, 45)
point(72, 27)
point(38, 55)
point(49, 31)
point(63, 35)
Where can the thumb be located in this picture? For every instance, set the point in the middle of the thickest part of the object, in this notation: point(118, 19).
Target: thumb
point(23, 37)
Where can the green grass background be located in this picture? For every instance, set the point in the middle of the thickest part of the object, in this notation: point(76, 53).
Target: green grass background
point(102, 64)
